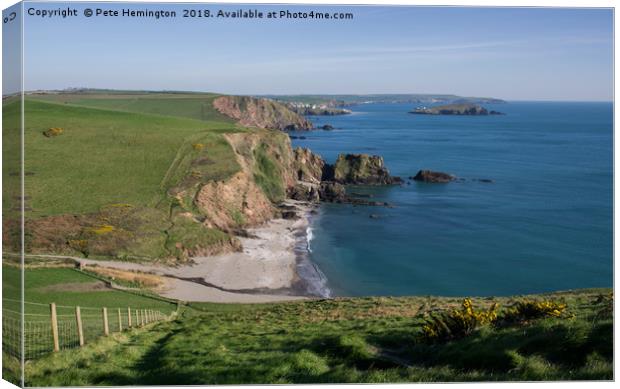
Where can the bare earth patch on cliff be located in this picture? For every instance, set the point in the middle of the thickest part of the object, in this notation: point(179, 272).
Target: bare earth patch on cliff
point(260, 113)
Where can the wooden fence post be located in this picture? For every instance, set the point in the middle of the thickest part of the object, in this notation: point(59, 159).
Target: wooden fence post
point(54, 327)
point(137, 318)
point(142, 317)
point(129, 317)
point(120, 321)
point(78, 318)
point(106, 330)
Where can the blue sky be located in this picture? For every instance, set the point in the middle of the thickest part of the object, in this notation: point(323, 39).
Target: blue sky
point(510, 53)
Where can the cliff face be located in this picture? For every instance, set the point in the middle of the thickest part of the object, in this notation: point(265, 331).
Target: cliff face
point(261, 113)
point(248, 197)
point(308, 166)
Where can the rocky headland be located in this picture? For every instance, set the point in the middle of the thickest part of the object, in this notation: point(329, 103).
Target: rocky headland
point(261, 113)
point(464, 109)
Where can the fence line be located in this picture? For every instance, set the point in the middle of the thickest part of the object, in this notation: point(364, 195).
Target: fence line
point(52, 332)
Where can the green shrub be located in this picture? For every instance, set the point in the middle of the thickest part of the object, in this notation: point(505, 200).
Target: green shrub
point(605, 306)
point(457, 323)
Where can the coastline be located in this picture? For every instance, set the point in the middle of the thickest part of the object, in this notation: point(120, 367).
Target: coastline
point(274, 265)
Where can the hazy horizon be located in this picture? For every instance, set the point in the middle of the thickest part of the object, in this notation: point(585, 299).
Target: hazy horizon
point(527, 54)
point(68, 89)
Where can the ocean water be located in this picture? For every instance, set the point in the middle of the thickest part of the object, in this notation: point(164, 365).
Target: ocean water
point(544, 224)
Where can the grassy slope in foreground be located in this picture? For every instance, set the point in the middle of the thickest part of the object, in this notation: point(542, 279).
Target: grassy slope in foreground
point(343, 340)
point(67, 288)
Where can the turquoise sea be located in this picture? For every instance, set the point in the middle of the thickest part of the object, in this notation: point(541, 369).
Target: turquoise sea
point(544, 224)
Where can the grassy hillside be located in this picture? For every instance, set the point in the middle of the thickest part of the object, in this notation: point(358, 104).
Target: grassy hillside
point(197, 106)
point(105, 157)
point(343, 340)
point(11, 158)
point(105, 184)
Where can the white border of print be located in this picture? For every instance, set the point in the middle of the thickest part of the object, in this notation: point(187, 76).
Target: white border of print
point(483, 3)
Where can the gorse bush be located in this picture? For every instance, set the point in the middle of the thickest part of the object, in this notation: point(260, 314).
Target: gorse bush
point(457, 323)
point(54, 131)
point(101, 229)
point(527, 310)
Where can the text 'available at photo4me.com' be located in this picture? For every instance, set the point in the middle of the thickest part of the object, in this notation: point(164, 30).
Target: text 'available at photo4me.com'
point(198, 12)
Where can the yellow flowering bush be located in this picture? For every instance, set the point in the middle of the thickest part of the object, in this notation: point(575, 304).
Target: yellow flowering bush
point(198, 146)
point(526, 310)
point(457, 323)
point(54, 131)
point(102, 229)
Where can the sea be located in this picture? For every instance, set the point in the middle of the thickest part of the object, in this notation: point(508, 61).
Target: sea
point(532, 210)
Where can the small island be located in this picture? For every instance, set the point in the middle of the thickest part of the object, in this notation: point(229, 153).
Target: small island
point(455, 109)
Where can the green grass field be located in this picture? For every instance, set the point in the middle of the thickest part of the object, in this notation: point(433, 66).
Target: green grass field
point(67, 288)
point(118, 157)
point(188, 105)
point(344, 340)
point(57, 285)
point(105, 156)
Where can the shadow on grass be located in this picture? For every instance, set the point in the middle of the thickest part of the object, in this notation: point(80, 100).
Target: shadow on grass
point(540, 351)
point(565, 345)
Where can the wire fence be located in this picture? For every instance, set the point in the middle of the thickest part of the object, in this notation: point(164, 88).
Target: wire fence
point(68, 327)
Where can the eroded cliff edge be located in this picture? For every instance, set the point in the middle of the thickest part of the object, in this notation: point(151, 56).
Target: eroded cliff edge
point(261, 113)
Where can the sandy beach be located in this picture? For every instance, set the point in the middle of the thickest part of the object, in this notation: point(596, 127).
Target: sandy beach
point(264, 271)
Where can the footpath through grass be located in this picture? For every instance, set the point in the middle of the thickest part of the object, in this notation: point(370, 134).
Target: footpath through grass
point(344, 340)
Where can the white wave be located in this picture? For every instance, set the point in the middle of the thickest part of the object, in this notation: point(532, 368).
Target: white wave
point(309, 237)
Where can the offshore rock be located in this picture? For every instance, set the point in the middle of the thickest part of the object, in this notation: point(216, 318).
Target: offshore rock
point(360, 169)
point(433, 177)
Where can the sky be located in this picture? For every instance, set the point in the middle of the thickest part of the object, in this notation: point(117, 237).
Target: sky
point(508, 53)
